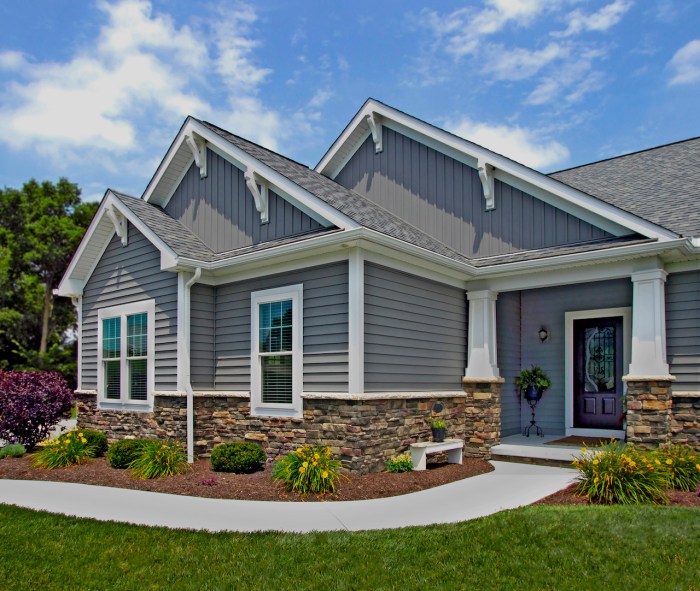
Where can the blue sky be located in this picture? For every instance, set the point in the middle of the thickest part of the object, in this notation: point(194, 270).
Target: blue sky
point(96, 90)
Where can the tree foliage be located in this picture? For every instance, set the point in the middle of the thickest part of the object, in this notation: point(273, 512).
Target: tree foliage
point(41, 225)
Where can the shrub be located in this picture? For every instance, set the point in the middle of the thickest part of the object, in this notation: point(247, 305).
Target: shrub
point(31, 404)
point(308, 470)
point(618, 473)
point(70, 449)
point(121, 453)
point(682, 464)
point(400, 463)
point(239, 457)
point(14, 450)
point(95, 439)
point(158, 459)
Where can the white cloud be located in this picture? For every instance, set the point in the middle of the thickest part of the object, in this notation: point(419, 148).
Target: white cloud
point(521, 144)
point(602, 20)
point(12, 60)
point(519, 63)
point(685, 64)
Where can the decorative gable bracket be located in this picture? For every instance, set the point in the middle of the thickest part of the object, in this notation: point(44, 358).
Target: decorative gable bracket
point(198, 145)
point(487, 182)
point(120, 223)
point(375, 125)
point(259, 188)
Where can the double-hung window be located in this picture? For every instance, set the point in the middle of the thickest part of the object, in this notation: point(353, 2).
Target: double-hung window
point(276, 351)
point(126, 338)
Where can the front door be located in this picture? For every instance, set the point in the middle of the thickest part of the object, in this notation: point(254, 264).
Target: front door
point(598, 373)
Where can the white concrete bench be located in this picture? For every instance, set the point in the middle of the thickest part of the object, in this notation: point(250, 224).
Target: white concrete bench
point(420, 451)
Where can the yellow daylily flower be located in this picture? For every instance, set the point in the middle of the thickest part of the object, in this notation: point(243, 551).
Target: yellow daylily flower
point(324, 474)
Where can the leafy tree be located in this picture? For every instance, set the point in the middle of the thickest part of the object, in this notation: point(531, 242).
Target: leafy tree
point(41, 225)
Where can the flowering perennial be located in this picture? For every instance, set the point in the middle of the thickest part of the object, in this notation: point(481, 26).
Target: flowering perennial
point(309, 469)
point(69, 449)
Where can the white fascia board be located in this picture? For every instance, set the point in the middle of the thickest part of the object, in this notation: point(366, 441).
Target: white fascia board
point(290, 191)
point(578, 203)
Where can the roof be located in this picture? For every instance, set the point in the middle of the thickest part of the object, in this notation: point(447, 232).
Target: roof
point(660, 184)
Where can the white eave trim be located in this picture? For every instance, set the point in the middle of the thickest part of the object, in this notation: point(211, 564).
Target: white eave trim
point(288, 190)
point(606, 216)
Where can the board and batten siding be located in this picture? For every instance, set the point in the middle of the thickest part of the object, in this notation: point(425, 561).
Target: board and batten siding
point(202, 336)
point(325, 333)
point(221, 210)
point(415, 333)
point(444, 198)
point(683, 330)
point(546, 307)
point(509, 357)
point(124, 275)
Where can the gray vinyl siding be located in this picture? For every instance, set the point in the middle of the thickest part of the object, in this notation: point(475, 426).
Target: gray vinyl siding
point(202, 336)
point(509, 358)
point(546, 307)
point(415, 333)
point(124, 275)
point(325, 328)
point(683, 329)
point(221, 210)
point(444, 198)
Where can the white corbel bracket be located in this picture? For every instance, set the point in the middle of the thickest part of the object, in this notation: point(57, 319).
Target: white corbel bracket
point(375, 125)
point(486, 176)
point(258, 187)
point(120, 224)
point(198, 145)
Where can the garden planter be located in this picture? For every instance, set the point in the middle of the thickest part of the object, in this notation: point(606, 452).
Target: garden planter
point(532, 393)
point(439, 434)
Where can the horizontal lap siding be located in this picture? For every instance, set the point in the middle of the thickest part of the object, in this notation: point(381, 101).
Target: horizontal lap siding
point(415, 333)
point(325, 328)
point(444, 198)
point(124, 275)
point(220, 209)
point(683, 329)
point(202, 336)
point(509, 358)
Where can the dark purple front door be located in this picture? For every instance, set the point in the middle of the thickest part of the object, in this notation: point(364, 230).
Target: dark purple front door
point(598, 373)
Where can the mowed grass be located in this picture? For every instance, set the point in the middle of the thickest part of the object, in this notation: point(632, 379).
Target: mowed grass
point(543, 548)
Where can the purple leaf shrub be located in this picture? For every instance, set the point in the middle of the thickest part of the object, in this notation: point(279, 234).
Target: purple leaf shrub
point(31, 404)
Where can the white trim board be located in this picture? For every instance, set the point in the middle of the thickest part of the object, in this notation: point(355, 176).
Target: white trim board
point(569, 317)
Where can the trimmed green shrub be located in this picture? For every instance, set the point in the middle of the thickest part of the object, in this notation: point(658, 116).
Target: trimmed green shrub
point(95, 439)
point(682, 463)
point(159, 458)
point(68, 450)
point(14, 450)
point(400, 463)
point(241, 457)
point(617, 473)
point(121, 453)
point(308, 470)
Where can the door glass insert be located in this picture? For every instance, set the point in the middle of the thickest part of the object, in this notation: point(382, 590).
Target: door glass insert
point(599, 359)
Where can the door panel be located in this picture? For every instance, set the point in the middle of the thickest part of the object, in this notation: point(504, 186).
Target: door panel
point(598, 384)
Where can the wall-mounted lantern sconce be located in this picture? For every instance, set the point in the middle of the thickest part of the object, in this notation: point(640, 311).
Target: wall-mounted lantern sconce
point(543, 334)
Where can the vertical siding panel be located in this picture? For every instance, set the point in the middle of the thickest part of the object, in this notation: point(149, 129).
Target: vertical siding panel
point(683, 329)
point(509, 359)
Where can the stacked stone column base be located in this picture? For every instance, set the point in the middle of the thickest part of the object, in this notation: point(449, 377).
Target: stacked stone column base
point(482, 416)
point(649, 410)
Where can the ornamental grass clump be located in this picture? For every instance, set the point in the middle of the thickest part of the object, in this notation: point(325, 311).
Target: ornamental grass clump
point(14, 450)
point(682, 464)
point(158, 459)
point(309, 469)
point(400, 463)
point(70, 449)
point(617, 473)
point(121, 453)
point(240, 457)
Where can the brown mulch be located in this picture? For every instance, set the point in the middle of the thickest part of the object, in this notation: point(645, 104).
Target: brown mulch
point(202, 481)
point(568, 496)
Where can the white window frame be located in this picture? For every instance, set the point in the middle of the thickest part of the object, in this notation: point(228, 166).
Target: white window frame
point(295, 293)
point(149, 308)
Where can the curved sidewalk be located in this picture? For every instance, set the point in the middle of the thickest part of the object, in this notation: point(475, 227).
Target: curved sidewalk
point(507, 487)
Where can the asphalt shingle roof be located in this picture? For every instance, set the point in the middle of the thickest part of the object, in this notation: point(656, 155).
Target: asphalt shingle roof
point(661, 184)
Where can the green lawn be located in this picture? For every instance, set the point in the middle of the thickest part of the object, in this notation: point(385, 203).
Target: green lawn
point(532, 548)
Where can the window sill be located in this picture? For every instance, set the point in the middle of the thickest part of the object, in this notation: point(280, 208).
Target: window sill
point(123, 406)
point(268, 411)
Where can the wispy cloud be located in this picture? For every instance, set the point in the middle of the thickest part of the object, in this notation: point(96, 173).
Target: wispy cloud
point(601, 20)
point(524, 145)
point(519, 63)
point(685, 64)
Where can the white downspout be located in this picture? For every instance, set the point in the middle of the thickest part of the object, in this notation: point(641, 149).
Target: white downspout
point(187, 368)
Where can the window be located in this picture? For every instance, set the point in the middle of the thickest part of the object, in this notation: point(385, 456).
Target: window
point(126, 353)
point(276, 351)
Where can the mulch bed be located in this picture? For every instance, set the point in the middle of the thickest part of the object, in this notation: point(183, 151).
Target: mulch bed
point(568, 496)
point(202, 481)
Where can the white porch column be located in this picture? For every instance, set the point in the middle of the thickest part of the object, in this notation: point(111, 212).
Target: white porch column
point(648, 324)
point(356, 322)
point(481, 346)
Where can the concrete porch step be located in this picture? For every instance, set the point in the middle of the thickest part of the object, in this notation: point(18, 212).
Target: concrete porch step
point(532, 450)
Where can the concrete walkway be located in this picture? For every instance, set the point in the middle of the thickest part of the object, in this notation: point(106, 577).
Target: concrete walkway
point(507, 487)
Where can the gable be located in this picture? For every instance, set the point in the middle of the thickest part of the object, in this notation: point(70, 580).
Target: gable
point(221, 211)
point(444, 198)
